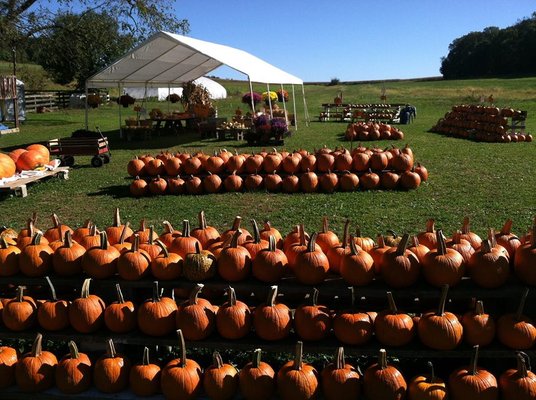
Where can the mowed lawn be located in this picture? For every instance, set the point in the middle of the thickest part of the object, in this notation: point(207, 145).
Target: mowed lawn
point(488, 182)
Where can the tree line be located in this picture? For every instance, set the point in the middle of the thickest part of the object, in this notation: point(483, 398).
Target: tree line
point(493, 52)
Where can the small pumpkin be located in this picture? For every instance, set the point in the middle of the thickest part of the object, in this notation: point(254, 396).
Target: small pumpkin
point(199, 265)
point(489, 267)
point(186, 243)
point(86, 313)
point(336, 254)
point(516, 330)
point(234, 261)
point(120, 316)
point(73, 373)
point(233, 319)
point(205, 233)
point(312, 265)
point(67, 259)
point(20, 312)
point(471, 237)
point(478, 327)
point(111, 371)
point(133, 264)
point(220, 379)
point(53, 314)
point(357, 267)
point(392, 327)
point(326, 239)
point(156, 316)
point(271, 320)
point(507, 239)
point(9, 258)
point(525, 259)
point(518, 383)
point(100, 262)
point(443, 265)
point(312, 321)
point(472, 382)
point(35, 259)
point(428, 237)
point(35, 370)
point(440, 330)
point(340, 380)
point(196, 317)
point(270, 263)
point(257, 379)
point(427, 386)
point(57, 231)
point(384, 381)
point(181, 378)
point(297, 380)
point(166, 266)
point(400, 267)
point(8, 361)
point(352, 326)
point(144, 378)
point(256, 244)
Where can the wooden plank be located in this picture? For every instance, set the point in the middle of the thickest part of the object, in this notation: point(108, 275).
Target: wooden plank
point(12, 130)
point(19, 188)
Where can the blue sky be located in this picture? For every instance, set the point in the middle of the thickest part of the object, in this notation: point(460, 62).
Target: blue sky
point(317, 40)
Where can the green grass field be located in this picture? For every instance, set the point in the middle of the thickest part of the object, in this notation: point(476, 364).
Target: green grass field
point(487, 182)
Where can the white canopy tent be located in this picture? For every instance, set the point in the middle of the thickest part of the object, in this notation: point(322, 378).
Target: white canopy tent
point(215, 90)
point(168, 60)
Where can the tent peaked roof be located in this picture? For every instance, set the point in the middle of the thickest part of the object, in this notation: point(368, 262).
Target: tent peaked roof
point(170, 59)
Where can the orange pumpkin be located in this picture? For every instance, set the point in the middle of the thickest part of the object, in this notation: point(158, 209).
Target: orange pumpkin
point(31, 160)
point(7, 166)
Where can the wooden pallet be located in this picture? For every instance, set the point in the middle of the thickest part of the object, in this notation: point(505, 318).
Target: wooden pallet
point(19, 187)
point(12, 130)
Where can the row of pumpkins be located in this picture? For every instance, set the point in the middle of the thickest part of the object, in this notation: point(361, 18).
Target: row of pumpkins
point(184, 378)
point(27, 159)
point(224, 162)
point(366, 131)
point(235, 254)
point(307, 182)
point(487, 124)
point(271, 320)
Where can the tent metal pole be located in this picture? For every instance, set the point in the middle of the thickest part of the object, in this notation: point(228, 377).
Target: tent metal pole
point(269, 101)
point(120, 116)
point(294, 106)
point(284, 102)
point(86, 116)
point(306, 112)
point(251, 97)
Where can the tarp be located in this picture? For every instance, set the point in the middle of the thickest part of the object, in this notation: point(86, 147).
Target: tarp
point(216, 91)
point(168, 59)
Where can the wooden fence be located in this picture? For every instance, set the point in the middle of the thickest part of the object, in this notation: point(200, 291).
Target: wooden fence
point(36, 101)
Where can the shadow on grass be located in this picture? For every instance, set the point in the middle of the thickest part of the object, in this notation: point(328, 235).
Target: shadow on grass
point(114, 191)
point(50, 122)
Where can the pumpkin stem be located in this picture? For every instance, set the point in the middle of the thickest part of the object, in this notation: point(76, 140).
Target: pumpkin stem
point(37, 346)
point(301, 231)
point(151, 234)
point(68, 239)
point(156, 292)
point(143, 225)
point(256, 233)
point(34, 218)
point(392, 305)
point(352, 297)
point(163, 247)
point(123, 236)
point(92, 229)
point(234, 239)
point(197, 247)
point(415, 241)
point(443, 300)
point(185, 228)
point(217, 360)
point(117, 218)
point(465, 226)
point(358, 231)
point(168, 228)
point(432, 372)
point(103, 240)
point(381, 241)
point(120, 298)
point(314, 297)
point(441, 245)
point(492, 237)
point(20, 294)
point(479, 307)
point(298, 356)
point(236, 223)
point(110, 348)
point(36, 239)
point(311, 244)
point(202, 220)
point(195, 292)
point(84, 293)
point(55, 220)
point(430, 225)
point(146, 360)
point(256, 360)
point(52, 289)
point(272, 295)
point(486, 246)
point(231, 296)
point(353, 246)
point(339, 358)
point(382, 359)
point(473, 366)
point(73, 350)
point(345, 234)
point(136, 243)
point(271, 243)
point(3, 243)
point(521, 306)
point(522, 361)
point(30, 227)
point(325, 228)
point(507, 228)
point(402, 245)
point(182, 345)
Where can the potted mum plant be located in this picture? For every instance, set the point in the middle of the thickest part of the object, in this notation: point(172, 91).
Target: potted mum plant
point(126, 100)
point(246, 98)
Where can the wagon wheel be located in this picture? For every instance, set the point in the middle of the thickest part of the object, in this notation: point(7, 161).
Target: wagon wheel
point(67, 160)
point(106, 158)
point(97, 161)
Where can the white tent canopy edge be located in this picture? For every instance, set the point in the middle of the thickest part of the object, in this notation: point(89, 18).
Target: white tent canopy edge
point(168, 59)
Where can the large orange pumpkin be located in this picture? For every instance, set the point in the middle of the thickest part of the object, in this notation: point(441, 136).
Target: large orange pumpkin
point(30, 160)
point(40, 149)
point(7, 166)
